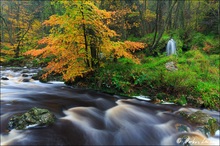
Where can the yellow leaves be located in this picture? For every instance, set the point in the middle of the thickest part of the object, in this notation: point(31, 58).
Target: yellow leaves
point(22, 27)
point(2, 59)
point(8, 52)
point(54, 20)
point(8, 49)
point(149, 16)
point(73, 70)
point(36, 25)
point(70, 53)
point(123, 49)
point(134, 6)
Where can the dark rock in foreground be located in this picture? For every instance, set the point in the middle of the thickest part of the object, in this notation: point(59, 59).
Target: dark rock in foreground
point(206, 124)
point(4, 78)
point(34, 118)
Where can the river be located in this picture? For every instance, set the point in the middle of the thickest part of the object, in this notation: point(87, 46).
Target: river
point(86, 117)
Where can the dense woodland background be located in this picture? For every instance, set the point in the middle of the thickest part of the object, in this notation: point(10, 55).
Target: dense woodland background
point(118, 45)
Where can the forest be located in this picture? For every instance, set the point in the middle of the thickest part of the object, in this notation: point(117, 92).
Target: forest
point(119, 46)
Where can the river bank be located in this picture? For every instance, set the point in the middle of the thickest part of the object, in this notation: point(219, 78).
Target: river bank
point(190, 79)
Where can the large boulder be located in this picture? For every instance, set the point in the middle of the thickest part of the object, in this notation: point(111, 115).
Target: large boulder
point(205, 123)
point(34, 118)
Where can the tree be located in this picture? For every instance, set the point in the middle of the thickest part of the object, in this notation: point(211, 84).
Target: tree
point(19, 23)
point(160, 27)
point(78, 37)
point(130, 17)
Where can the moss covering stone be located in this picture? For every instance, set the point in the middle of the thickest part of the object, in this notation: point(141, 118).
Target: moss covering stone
point(35, 117)
point(204, 122)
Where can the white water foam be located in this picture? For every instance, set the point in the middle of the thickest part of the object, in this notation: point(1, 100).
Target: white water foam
point(14, 135)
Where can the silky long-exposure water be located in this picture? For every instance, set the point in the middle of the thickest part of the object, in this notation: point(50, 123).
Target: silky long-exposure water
point(86, 117)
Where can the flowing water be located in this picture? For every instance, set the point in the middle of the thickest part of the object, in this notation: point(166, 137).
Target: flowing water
point(171, 47)
point(86, 117)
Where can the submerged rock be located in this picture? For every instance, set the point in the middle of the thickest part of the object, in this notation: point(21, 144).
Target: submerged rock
point(34, 118)
point(182, 128)
point(25, 80)
point(25, 75)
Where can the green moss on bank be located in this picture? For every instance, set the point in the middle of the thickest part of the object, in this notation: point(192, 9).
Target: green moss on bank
point(196, 82)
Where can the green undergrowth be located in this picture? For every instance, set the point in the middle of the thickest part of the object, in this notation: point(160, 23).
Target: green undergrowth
point(197, 77)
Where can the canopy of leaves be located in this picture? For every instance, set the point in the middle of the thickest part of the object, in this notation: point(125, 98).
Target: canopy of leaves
point(78, 37)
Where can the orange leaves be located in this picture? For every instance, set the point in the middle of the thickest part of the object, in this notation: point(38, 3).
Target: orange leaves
point(124, 49)
point(134, 46)
point(44, 52)
point(207, 47)
point(45, 40)
point(35, 52)
point(76, 39)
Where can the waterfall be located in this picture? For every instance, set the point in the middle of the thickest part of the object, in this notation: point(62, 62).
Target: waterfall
point(171, 47)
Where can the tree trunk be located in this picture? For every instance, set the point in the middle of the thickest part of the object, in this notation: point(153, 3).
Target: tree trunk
point(21, 39)
point(160, 33)
point(142, 13)
point(197, 11)
point(169, 25)
point(2, 28)
point(179, 21)
point(156, 23)
point(42, 17)
point(93, 53)
point(85, 37)
point(18, 31)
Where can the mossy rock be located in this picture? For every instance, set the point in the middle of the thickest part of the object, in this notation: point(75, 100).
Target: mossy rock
point(197, 102)
point(204, 122)
point(34, 118)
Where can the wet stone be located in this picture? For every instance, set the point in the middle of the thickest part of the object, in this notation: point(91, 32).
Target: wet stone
point(34, 118)
point(205, 123)
point(4, 78)
point(25, 75)
point(182, 128)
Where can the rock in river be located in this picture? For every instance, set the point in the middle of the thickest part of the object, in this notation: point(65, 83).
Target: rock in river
point(4, 78)
point(206, 124)
point(35, 117)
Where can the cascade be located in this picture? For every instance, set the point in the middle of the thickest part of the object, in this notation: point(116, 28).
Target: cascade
point(87, 117)
point(171, 47)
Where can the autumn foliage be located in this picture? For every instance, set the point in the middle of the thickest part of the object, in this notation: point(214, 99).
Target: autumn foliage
point(19, 28)
point(78, 37)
